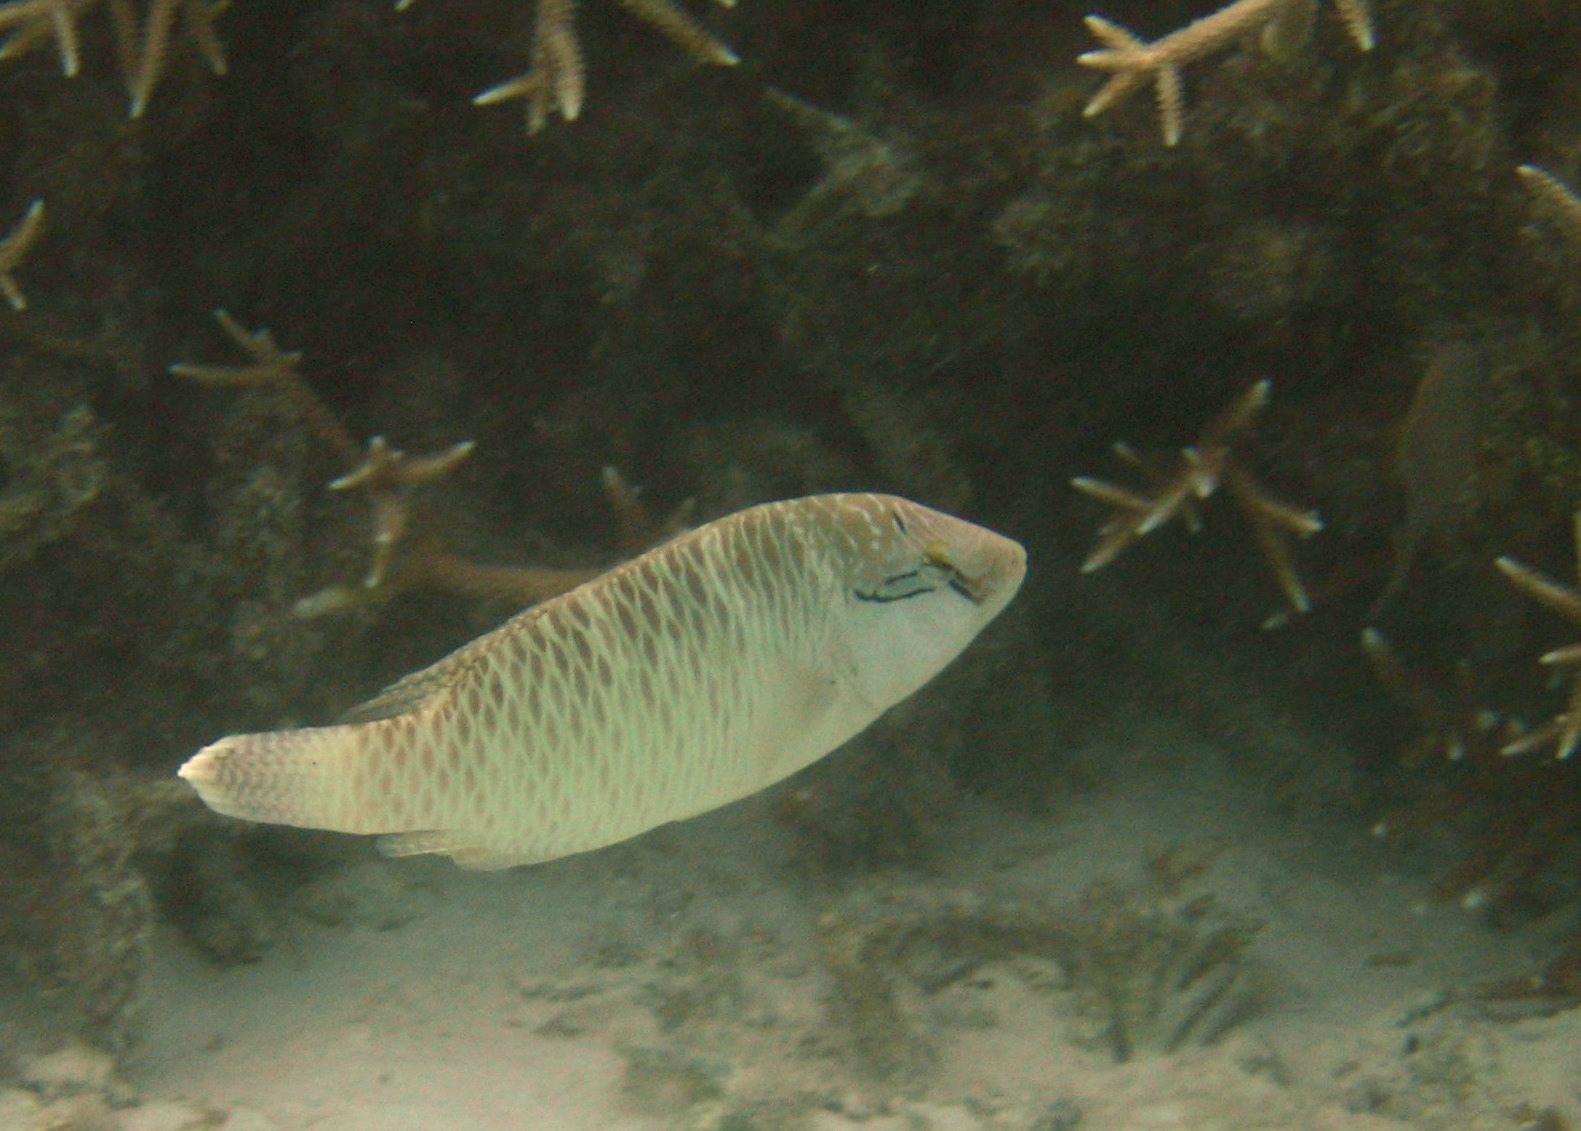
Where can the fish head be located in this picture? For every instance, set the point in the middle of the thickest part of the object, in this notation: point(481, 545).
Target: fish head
point(920, 585)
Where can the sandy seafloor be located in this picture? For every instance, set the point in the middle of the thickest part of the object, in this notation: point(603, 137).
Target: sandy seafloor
point(678, 982)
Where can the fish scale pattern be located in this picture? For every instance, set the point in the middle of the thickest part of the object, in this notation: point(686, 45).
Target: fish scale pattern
point(694, 675)
point(626, 705)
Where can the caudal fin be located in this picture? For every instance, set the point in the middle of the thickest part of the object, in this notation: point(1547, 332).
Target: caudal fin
point(291, 777)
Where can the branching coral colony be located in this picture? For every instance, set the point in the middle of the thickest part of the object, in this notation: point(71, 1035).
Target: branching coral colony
point(1518, 843)
point(554, 80)
point(1522, 821)
point(1559, 204)
point(1176, 488)
point(408, 549)
point(1518, 823)
point(14, 249)
point(1130, 61)
point(1176, 491)
point(142, 46)
point(553, 83)
point(1563, 733)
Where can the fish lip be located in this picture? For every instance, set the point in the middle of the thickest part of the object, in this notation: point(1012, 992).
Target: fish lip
point(983, 586)
point(967, 587)
point(972, 586)
point(978, 588)
point(999, 581)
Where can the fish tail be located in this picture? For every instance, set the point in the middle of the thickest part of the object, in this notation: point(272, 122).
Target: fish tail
point(307, 778)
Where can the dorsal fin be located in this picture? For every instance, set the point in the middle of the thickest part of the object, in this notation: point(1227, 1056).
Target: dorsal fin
point(415, 691)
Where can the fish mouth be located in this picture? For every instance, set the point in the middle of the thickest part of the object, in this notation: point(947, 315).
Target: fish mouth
point(973, 586)
point(987, 574)
point(984, 586)
point(998, 577)
point(967, 587)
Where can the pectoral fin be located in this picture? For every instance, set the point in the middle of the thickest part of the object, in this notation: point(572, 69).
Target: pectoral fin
point(465, 850)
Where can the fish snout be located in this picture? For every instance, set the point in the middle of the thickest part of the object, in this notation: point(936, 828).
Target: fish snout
point(988, 568)
point(1004, 568)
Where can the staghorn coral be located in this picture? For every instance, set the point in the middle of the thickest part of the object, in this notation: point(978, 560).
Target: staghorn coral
point(1516, 817)
point(141, 48)
point(14, 250)
point(1456, 725)
point(389, 477)
point(408, 549)
point(1554, 210)
point(555, 81)
point(1131, 61)
point(1563, 733)
point(1472, 445)
point(268, 366)
point(1175, 490)
point(409, 552)
point(1421, 123)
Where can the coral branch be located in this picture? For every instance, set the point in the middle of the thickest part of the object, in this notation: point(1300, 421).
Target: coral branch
point(1564, 731)
point(14, 249)
point(1131, 61)
point(270, 365)
point(1175, 490)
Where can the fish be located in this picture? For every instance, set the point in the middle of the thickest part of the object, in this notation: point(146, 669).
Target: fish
point(1436, 458)
point(696, 674)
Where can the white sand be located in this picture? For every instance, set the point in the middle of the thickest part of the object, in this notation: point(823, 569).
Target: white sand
point(516, 1000)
